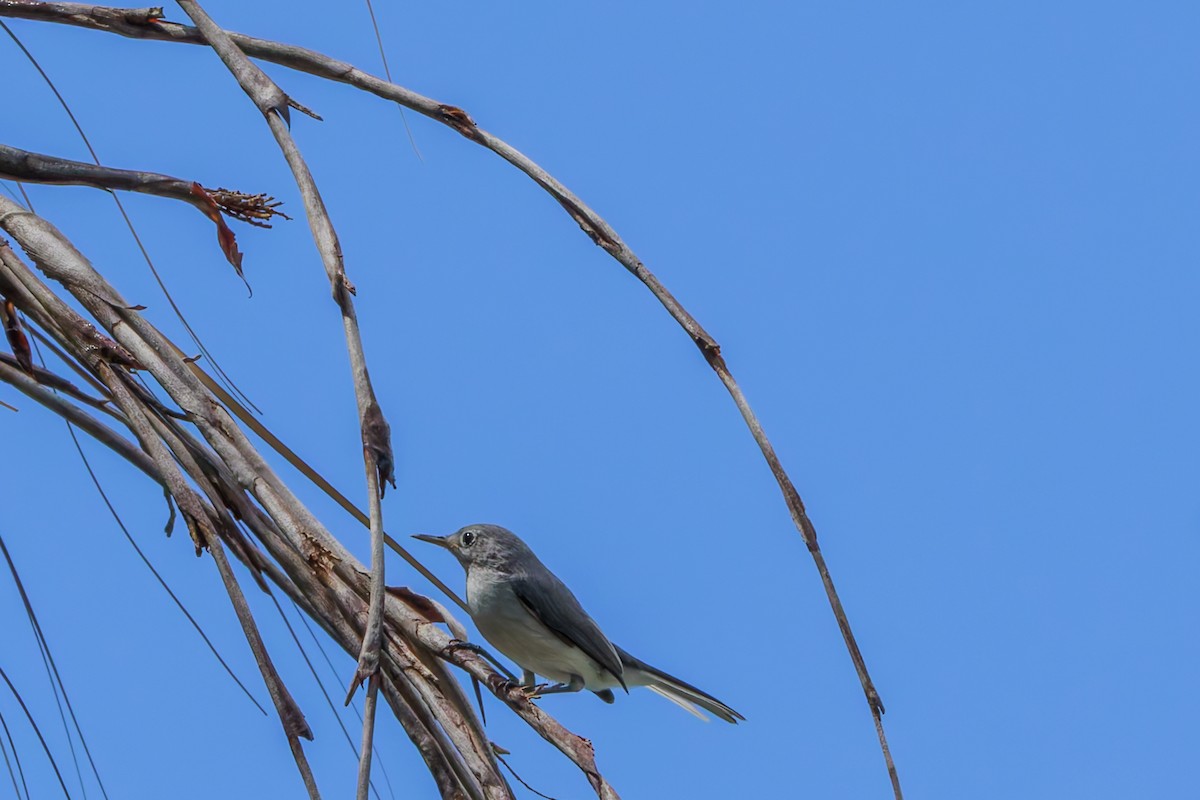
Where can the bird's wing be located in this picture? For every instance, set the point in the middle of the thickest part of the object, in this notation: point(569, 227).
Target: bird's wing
point(552, 603)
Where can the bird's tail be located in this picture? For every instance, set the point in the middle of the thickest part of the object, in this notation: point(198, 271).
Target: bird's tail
point(682, 694)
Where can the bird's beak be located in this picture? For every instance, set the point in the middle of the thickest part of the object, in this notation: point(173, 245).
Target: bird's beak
point(440, 541)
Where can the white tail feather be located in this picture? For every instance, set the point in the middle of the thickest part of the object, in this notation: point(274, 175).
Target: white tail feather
point(677, 700)
point(689, 698)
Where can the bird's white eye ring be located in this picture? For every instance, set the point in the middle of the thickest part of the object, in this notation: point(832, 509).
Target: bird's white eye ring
point(468, 538)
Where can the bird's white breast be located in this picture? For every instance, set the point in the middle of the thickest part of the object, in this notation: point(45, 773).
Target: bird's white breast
point(505, 622)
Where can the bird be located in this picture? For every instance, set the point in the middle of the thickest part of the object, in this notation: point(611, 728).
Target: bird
point(529, 615)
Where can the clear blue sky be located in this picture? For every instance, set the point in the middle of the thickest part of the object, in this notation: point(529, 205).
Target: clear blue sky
point(950, 252)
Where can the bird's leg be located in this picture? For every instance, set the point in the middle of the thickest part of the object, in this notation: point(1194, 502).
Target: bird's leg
point(527, 684)
point(459, 644)
point(575, 685)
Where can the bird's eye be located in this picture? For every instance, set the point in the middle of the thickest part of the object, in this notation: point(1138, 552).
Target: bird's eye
point(468, 538)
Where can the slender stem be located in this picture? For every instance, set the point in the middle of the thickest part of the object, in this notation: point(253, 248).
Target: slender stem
point(368, 660)
point(368, 733)
point(33, 723)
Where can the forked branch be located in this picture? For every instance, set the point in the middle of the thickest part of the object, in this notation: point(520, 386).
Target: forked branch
point(237, 483)
point(145, 24)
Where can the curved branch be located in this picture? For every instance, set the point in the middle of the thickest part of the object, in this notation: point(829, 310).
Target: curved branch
point(144, 24)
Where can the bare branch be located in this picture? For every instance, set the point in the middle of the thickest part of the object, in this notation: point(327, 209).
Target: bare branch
point(144, 24)
point(22, 165)
point(312, 557)
point(588, 220)
point(77, 416)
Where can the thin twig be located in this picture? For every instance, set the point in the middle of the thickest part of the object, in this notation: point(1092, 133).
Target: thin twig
point(36, 730)
point(57, 678)
point(55, 683)
point(94, 427)
point(368, 735)
point(157, 576)
point(388, 72)
point(520, 780)
point(47, 378)
point(9, 764)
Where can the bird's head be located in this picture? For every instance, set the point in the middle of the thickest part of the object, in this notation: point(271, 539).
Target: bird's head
point(481, 545)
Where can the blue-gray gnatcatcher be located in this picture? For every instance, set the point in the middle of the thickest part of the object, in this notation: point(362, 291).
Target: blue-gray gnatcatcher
point(531, 617)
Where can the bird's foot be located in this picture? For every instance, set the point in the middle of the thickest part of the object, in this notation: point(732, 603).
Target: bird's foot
point(507, 686)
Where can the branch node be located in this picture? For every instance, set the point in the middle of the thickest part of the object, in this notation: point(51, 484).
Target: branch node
point(344, 288)
point(460, 120)
point(598, 237)
point(142, 16)
point(377, 441)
